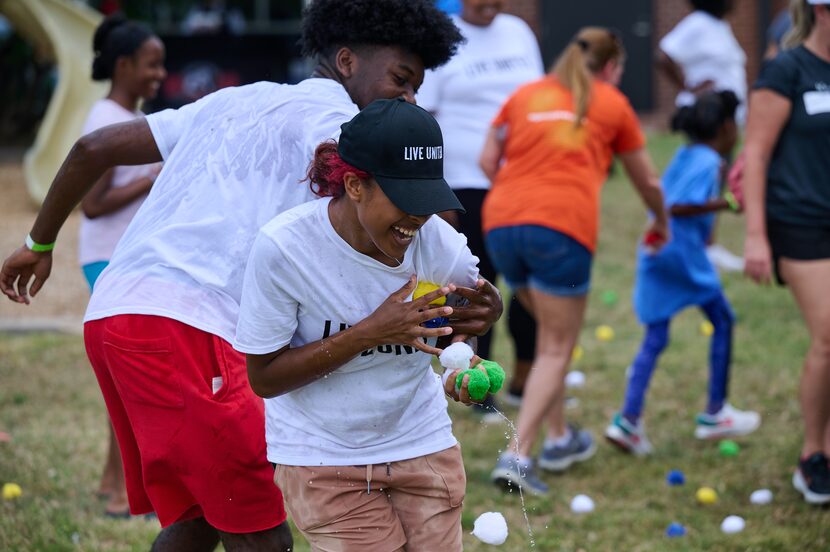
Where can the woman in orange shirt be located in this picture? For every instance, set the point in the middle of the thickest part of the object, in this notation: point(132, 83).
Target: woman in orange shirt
point(548, 154)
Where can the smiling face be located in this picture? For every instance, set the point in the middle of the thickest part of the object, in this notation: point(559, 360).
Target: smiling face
point(380, 72)
point(382, 231)
point(143, 72)
point(481, 12)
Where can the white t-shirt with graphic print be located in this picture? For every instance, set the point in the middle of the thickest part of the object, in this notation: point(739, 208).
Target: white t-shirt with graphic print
point(466, 93)
point(303, 283)
point(233, 161)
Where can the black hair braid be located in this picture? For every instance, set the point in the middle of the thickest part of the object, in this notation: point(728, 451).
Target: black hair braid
point(417, 26)
point(115, 37)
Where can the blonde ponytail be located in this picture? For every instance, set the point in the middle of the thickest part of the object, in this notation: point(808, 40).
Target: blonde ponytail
point(585, 56)
point(572, 72)
point(804, 19)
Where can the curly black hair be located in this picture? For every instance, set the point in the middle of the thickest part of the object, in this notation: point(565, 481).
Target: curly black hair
point(415, 25)
point(715, 8)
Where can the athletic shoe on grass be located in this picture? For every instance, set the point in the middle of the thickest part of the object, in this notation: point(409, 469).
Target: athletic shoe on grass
point(579, 448)
point(512, 473)
point(812, 479)
point(728, 422)
point(628, 437)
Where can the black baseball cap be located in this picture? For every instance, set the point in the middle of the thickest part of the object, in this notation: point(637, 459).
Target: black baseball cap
point(401, 146)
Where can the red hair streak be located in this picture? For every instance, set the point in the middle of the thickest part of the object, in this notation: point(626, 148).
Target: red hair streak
point(327, 171)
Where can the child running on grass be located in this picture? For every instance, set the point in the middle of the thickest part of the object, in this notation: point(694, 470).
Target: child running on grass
point(680, 275)
point(356, 420)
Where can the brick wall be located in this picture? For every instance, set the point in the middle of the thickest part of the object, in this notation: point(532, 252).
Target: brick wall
point(529, 10)
point(745, 20)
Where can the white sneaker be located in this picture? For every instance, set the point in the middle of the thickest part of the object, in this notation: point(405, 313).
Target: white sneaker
point(628, 437)
point(728, 422)
point(724, 259)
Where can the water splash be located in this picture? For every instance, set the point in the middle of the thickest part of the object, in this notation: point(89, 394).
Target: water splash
point(516, 450)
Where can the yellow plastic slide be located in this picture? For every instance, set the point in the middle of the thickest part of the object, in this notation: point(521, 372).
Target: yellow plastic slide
point(60, 30)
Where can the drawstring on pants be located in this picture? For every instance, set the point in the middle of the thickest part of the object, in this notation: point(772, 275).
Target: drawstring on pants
point(369, 476)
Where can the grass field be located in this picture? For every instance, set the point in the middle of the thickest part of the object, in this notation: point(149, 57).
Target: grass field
point(50, 403)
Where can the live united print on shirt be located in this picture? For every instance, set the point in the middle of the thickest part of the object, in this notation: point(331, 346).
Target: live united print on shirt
point(384, 349)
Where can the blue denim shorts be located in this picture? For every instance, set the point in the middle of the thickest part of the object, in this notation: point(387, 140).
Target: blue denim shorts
point(540, 258)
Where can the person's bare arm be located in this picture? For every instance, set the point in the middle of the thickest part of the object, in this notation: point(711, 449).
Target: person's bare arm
point(670, 69)
point(691, 210)
point(129, 143)
point(491, 153)
point(768, 113)
point(395, 321)
point(643, 176)
point(104, 198)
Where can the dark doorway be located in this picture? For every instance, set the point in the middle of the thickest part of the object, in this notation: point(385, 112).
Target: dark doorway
point(632, 19)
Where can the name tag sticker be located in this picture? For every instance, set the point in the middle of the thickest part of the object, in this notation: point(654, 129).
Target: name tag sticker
point(816, 102)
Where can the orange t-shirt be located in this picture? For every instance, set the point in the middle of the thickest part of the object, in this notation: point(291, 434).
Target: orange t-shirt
point(553, 171)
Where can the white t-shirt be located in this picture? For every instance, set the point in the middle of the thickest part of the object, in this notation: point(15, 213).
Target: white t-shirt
point(467, 92)
point(706, 49)
point(384, 405)
point(233, 160)
point(97, 237)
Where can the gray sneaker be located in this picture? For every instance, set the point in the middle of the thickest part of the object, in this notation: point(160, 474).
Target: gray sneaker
point(509, 472)
point(580, 448)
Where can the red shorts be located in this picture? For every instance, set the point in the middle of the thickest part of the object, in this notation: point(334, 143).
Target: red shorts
point(187, 453)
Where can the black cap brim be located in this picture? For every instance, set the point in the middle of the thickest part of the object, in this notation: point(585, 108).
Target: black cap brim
point(420, 196)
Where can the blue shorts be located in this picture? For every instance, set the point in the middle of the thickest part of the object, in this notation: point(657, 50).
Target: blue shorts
point(540, 258)
point(92, 271)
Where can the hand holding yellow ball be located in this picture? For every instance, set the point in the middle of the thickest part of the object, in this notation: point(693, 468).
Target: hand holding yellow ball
point(422, 289)
point(425, 287)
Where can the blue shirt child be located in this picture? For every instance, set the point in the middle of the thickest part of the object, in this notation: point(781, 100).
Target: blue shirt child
point(680, 274)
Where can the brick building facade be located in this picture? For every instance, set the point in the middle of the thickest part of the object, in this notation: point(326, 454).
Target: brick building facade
point(748, 20)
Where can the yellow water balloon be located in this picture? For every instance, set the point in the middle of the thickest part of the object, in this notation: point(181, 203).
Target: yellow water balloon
point(425, 287)
point(706, 495)
point(605, 333)
point(11, 491)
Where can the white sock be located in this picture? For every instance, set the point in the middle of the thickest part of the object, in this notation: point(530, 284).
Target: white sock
point(551, 442)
